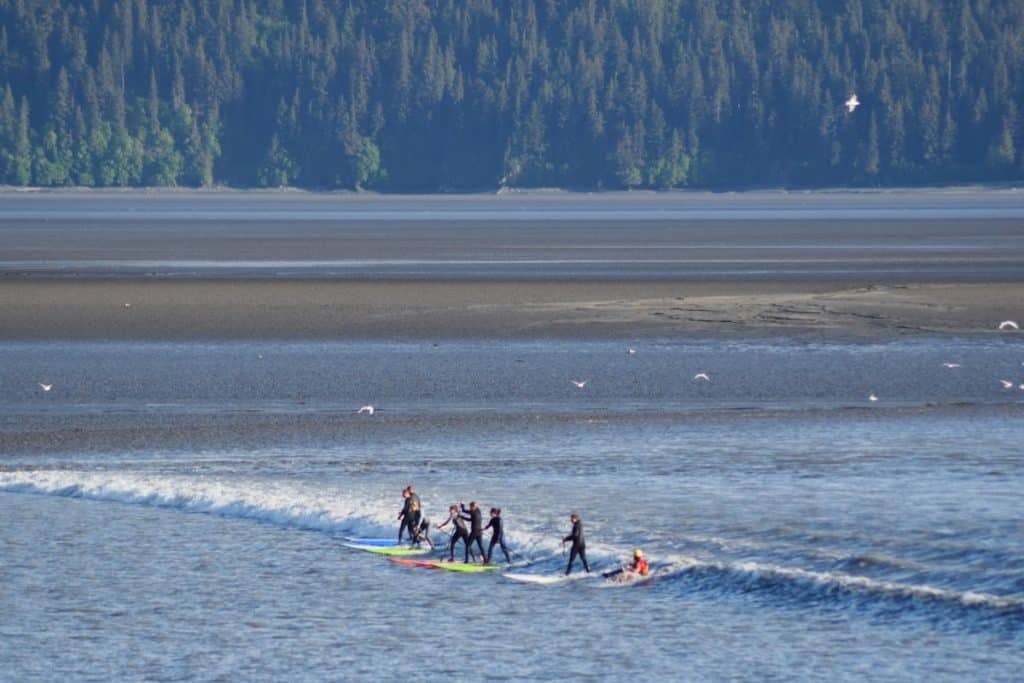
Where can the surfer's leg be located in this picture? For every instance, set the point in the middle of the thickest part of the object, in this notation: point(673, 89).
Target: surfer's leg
point(583, 556)
point(490, 551)
point(504, 549)
point(451, 547)
point(480, 545)
point(572, 558)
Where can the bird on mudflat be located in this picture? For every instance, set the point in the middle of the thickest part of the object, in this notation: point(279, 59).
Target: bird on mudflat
point(872, 397)
point(365, 409)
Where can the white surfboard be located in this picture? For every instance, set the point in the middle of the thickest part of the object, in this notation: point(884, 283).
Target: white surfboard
point(549, 579)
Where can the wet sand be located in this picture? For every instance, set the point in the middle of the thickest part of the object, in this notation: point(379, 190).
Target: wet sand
point(238, 265)
point(231, 309)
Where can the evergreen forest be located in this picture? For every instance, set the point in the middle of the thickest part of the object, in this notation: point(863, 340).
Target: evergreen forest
point(443, 95)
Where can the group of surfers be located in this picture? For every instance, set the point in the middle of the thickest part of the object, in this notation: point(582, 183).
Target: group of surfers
point(413, 522)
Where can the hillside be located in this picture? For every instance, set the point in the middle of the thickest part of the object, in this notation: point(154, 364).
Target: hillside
point(431, 96)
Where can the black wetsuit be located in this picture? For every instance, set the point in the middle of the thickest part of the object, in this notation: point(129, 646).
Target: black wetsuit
point(409, 524)
point(403, 517)
point(579, 546)
point(459, 532)
point(476, 528)
point(497, 538)
point(423, 533)
point(412, 523)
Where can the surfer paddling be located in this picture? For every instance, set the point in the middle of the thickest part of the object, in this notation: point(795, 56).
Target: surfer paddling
point(579, 545)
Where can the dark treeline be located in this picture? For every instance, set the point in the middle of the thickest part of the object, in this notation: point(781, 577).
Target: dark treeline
point(444, 94)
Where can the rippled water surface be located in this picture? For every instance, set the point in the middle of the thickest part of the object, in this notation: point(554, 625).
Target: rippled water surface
point(179, 510)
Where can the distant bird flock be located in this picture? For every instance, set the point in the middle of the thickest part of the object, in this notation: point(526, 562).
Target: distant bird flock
point(1004, 326)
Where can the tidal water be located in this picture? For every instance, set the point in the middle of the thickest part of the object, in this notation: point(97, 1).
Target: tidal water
point(177, 511)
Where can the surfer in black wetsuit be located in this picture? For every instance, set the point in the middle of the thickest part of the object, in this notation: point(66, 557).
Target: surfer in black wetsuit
point(412, 526)
point(403, 516)
point(459, 532)
point(497, 536)
point(474, 516)
point(420, 526)
point(579, 545)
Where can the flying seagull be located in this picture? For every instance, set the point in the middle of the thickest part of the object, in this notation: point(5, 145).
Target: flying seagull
point(45, 387)
point(852, 103)
point(872, 397)
point(580, 383)
point(632, 352)
point(1009, 325)
point(951, 365)
point(365, 409)
point(703, 376)
point(1007, 384)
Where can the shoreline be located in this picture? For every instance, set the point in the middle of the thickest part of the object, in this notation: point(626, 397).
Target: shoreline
point(528, 192)
point(144, 309)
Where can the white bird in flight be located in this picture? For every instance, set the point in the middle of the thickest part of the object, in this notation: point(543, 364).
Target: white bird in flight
point(872, 397)
point(1009, 325)
point(580, 383)
point(45, 387)
point(632, 352)
point(852, 103)
point(703, 376)
point(951, 365)
point(1007, 384)
point(366, 409)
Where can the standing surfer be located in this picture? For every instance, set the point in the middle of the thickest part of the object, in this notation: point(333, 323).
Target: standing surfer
point(420, 527)
point(414, 500)
point(497, 536)
point(403, 516)
point(579, 545)
point(476, 525)
point(459, 532)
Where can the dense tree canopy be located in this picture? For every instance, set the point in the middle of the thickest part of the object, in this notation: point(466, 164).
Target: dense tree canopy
point(445, 94)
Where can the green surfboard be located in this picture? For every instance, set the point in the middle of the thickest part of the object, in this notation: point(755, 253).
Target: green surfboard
point(463, 567)
point(393, 551)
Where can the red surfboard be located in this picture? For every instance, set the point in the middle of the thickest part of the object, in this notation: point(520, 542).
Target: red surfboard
point(411, 563)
